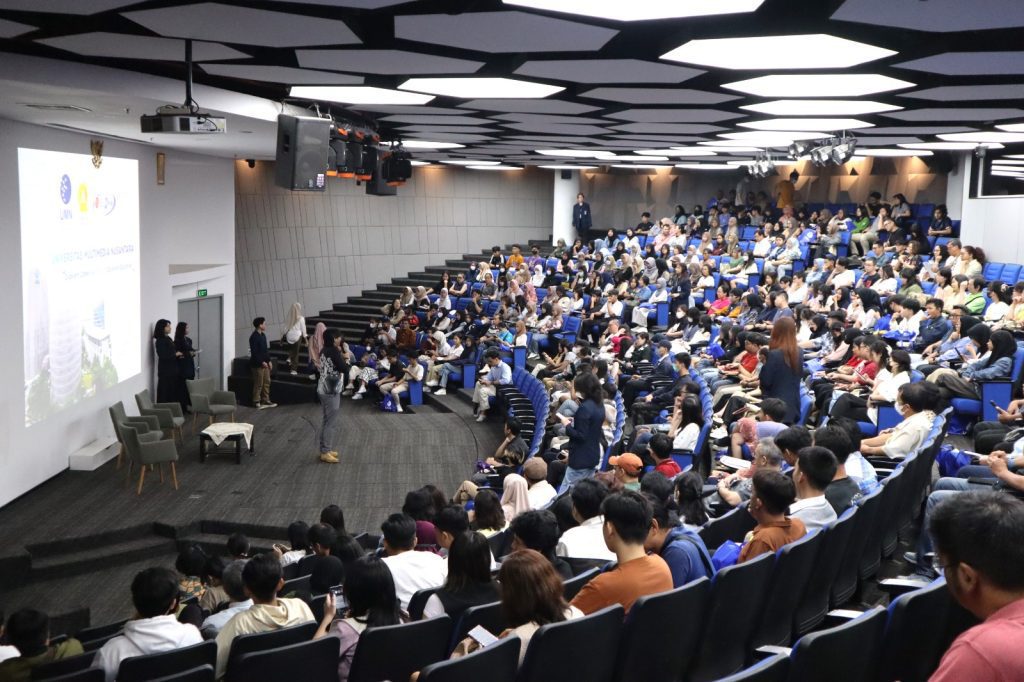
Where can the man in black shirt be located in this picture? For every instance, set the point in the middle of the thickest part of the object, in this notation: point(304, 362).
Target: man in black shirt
point(260, 362)
point(843, 491)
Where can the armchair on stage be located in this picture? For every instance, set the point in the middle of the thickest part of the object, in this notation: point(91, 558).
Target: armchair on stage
point(147, 428)
point(206, 400)
point(142, 443)
point(170, 416)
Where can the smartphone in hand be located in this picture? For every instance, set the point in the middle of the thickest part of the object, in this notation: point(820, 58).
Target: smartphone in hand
point(482, 636)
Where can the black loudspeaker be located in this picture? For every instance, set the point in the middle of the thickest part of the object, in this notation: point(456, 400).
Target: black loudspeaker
point(302, 144)
point(566, 174)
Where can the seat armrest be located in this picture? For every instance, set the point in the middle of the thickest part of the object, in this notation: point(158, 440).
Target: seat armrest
point(844, 614)
point(223, 398)
point(175, 408)
point(894, 587)
point(767, 651)
point(161, 414)
point(150, 422)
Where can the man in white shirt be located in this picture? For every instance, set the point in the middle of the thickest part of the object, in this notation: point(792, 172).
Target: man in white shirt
point(540, 492)
point(599, 319)
point(586, 541)
point(815, 469)
point(234, 586)
point(762, 245)
point(841, 275)
point(911, 316)
point(498, 374)
point(154, 628)
point(411, 570)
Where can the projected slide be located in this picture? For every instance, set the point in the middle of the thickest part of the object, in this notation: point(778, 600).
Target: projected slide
point(80, 276)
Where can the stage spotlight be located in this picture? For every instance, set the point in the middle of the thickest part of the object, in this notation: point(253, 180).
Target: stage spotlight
point(797, 149)
point(364, 171)
point(843, 152)
point(397, 167)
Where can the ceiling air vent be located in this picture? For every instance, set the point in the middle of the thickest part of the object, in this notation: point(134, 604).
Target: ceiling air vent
point(59, 107)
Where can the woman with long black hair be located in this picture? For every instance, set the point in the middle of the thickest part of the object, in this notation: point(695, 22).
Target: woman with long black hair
point(584, 431)
point(186, 360)
point(996, 364)
point(166, 363)
point(328, 390)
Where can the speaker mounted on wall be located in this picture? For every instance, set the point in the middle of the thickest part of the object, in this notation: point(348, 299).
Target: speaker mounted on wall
point(302, 151)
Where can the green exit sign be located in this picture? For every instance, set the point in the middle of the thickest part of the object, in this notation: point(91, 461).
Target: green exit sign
point(201, 293)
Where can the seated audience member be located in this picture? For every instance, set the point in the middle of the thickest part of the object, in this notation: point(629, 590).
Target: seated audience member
point(979, 542)
point(322, 539)
point(419, 505)
point(509, 456)
point(213, 573)
point(790, 441)
point(334, 517)
point(857, 466)
point(842, 491)
point(681, 547)
point(627, 468)
point(190, 564)
point(298, 541)
point(916, 403)
point(412, 571)
point(238, 546)
point(627, 522)
point(328, 571)
point(262, 578)
point(586, 541)
point(540, 492)
point(735, 489)
point(237, 600)
point(496, 373)
point(538, 530)
point(815, 468)
point(28, 632)
point(469, 580)
point(514, 499)
point(660, 449)
point(450, 522)
point(488, 516)
point(531, 596)
point(155, 628)
point(772, 494)
point(688, 496)
point(369, 592)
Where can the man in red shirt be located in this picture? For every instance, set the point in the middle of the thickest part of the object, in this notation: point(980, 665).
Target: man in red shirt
point(979, 541)
point(660, 449)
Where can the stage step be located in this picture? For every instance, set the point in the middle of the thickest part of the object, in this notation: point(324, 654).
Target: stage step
point(90, 555)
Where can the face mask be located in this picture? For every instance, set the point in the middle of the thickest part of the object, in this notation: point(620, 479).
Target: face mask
point(680, 315)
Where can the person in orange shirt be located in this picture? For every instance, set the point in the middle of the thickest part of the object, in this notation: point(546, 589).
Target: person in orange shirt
point(515, 261)
point(627, 521)
point(772, 494)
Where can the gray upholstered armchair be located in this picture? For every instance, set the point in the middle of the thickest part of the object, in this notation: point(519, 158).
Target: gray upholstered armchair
point(170, 415)
point(147, 454)
point(206, 400)
point(147, 428)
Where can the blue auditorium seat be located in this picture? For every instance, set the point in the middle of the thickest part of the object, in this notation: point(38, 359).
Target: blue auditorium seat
point(1001, 392)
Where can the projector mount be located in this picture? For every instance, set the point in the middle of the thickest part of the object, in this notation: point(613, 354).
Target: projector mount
point(186, 118)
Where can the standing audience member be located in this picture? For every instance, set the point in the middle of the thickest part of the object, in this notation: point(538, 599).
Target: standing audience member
point(261, 364)
point(328, 392)
point(154, 628)
point(584, 430)
point(28, 632)
point(627, 523)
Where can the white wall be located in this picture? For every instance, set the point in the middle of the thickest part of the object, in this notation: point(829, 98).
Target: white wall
point(319, 248)
point(563, 198)
point(188, 220)
point(993, 223)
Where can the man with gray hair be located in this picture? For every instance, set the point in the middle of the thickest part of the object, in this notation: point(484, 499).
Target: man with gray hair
point(234, 586)
point(734, 489)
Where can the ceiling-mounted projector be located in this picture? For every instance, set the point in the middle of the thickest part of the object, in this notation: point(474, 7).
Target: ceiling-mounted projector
point(180, 120)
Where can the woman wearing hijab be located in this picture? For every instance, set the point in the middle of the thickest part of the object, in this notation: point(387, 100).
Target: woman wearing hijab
point(642, 311)
point(651, 269)
point(316, 347)
point(538, 276)
point(443, 300)
point(514, 497)
point(166, 363)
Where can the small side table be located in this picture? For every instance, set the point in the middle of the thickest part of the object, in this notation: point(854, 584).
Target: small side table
point(213, 436)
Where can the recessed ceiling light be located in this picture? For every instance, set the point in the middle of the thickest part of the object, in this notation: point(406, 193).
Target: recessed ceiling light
point(582, 153)
point(983, 137)
point(633, 157)
point(480, 88)
point(819, 85)
point(951, 145)
point(427, 144)
point(1014, 156)
point(1007, 174)
point(641, 10)
point(707, 166)
point(820, 107)
point(763, 138)
point(1007, 162)
point(892, 152)
point(739, 162)
point(639, 166)
point(676, 152)
point(417, 162)
point(730, 146)
point(829, 124)
point(494, 167)
point(555, 166)
point(469, 162)
point(356, 94)
point(776, 52)
point(1012, 127)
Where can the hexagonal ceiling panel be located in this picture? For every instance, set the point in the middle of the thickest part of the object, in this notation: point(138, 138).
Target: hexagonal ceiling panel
point(388, 62)
point(351, 4)
point(281, 74)
point(939, 16)
point(502, 32)
point(9, 29)
point(426, 128)
point(548, 119)
point(997, 63)
point(140, 47)
point(671, 128)
point(659, 96)
point(919, 130)
point(230, 24)
point(675, 115)
point(607, 71)
point(530, 106)
point(443, 120)
point(66, 6)
point(947, 93)
point(558, 129)
point(955, 114)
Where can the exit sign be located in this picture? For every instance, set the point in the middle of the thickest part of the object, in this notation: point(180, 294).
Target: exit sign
point(201, 293)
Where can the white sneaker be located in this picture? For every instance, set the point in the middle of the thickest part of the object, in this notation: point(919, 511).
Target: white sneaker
point(481, 417)
point(312, 377)
point(719, 433)
point(533, 356)
point(294, 372)
point(426, 389)
point(432, 382)
point(398, 408)
point(357, 396)
point(440, 391)
point(362, 390)
point(269, 404)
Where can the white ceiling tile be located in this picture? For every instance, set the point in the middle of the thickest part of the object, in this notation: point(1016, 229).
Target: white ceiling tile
point(969, 63)
point(955, 114)
point(502, 32)
point(920, 130)
point(558, 129)
point(670, 128)
point(885, 141)
point(529, 106)
point(463, 138)
point(675, 115)
point(281, 74)
point(663, 139)
point(548, 118)
point(352, 4)
point(66, 6)
point(948, 93)
point(243, 25)
point(9, 29)
point(386, 62)
point(940, 16)
point(658, 96)
point(411, 109)
point(607, 71)
point(124, 46)
point(448, 129)
point(442, 120)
